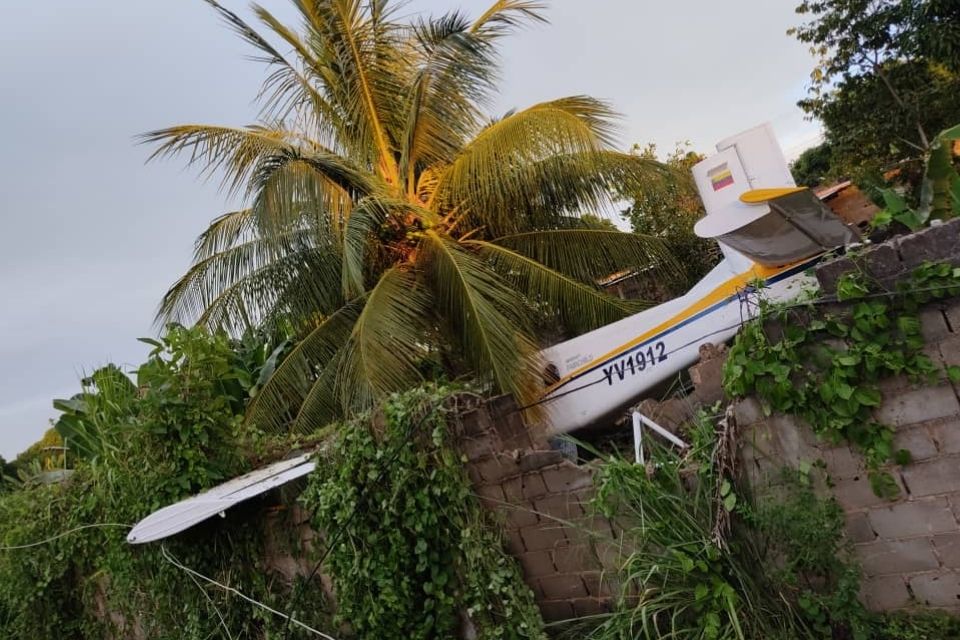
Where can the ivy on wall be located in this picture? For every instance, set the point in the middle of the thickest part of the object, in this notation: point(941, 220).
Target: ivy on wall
point(826, 367)
point(413, 555)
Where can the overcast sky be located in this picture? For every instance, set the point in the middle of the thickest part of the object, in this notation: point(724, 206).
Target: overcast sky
point(92, 237)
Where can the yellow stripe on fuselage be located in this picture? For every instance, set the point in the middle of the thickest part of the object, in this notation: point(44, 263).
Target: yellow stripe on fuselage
point(721, 292)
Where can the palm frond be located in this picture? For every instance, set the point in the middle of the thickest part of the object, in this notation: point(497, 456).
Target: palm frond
point(289, 90)
point(509, 162)
point(387, 343)
point(591, 254)
point(224, 232)
point(488, 315)
point(503, 16)
point(453, 77)
point(252, 281)
point(234, 150)
point(580, 306)
point(369, 214)
point(292, 189)
point(301, 389)
point(367, 73)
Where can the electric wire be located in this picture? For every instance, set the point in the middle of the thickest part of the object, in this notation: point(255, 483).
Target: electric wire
point(66, 533)
point(289, 619)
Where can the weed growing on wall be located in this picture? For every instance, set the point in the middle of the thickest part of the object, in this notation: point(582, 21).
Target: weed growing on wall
point(412, 554)
point(826, 367)
point(780, 567)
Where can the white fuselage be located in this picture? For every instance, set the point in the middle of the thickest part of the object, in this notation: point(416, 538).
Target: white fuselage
point(605, 371)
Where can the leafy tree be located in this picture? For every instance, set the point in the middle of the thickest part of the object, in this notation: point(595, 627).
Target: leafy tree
point(594, 221)
point(814, 166)
point(390, 220)
point(8, 474)
point(869, 132)
point(668, 209)
point(887, 74)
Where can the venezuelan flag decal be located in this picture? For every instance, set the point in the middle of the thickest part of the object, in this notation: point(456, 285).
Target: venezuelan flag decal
point(720, 177)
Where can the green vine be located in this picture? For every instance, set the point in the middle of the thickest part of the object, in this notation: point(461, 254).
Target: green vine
point(826, 367)
point(413, 551)
point(174, 432)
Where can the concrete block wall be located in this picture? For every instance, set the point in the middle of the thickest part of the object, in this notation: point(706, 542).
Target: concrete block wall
point(569, 558)
point(909, 547)
point(892, 260)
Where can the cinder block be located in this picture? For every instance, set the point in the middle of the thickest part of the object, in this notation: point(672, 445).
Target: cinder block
point(941, 589)
point(600, 584)
point(524, 488)
point(950, 350)
point(556, 610)
point(476, 447)
point(520, 515)
point(495, 468)
point(534, 460)
point(473, 472)
point(586, 607)
point(542, 537)
point(858, 527)
point(914, 518)
point(501, 406)
point(934, 244)
point(575, 559)
point(589, 529)
point(933, 477)
point(885, 593)
point(566, 477)
point(881, 261)
point(843, 462)
point(933, 324)
point(896, 556)
point(515, 542)
point(537, 564)
point(954, 499)
point(491, 496)
point(791, 446)
point(946, 435)
point(562, 507)
point(563, 586)
point(856, 493)
point(915, 439)
point(748, 411)
point(952, 312)
point(475, 422)
point(947, 546)
point(829, 272)
point(919, 405)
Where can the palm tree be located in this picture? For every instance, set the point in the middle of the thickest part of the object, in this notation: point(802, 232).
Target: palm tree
point(389, 220)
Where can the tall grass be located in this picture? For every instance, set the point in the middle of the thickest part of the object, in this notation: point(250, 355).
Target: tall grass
point(688, 573)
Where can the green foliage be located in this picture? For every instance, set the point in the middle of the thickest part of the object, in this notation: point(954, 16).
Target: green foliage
point(668, 209)
point(870, 133)
point(886, 80)
point(827, 369)
point(178, 434)
point(699, 565)
point(800, 538)
point(382, 203)
point(686, 575)
point(814, 166)
point(939, 197)
point(415, 550)
point(89, 417)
